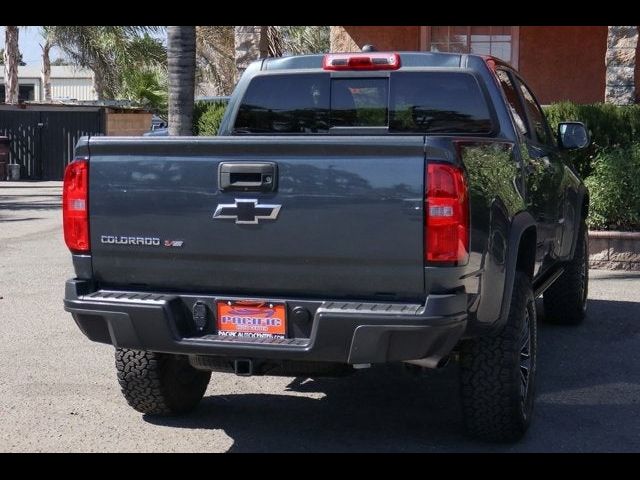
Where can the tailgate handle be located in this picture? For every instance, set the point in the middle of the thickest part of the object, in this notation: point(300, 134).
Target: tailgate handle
point(248, 177)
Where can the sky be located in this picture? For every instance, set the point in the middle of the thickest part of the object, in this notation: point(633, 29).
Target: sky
point(29, 40)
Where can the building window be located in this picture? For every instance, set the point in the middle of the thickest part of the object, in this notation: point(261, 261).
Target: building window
point(26, 93)
point(501, 42)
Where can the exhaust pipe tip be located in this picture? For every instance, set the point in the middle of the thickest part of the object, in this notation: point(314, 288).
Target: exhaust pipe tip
point(429, 363)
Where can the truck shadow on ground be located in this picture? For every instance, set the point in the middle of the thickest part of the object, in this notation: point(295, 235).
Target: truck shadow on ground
point(585, 385)
point(383, 409)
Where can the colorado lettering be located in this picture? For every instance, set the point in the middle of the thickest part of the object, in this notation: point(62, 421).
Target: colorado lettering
point(113, 240)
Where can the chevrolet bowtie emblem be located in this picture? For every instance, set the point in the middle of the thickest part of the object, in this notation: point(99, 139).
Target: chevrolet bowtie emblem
point(246, 211)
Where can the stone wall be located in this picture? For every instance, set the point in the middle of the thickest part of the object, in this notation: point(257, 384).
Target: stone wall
point(614, 250)
point(621, 61)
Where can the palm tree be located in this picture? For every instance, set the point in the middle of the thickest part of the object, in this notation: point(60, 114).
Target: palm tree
point(215, 59)
point(106, 50)
point(181, 59)
point(253, 42)
point(46, 62)
point(216, 50)
point(146, 86)
point(247, 40)
point(11, 62)
point(21, 61)
point(300, 40)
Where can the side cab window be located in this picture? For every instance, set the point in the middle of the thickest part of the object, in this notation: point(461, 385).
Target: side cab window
point(540, 131)
point(527, 114)
point(513, 100)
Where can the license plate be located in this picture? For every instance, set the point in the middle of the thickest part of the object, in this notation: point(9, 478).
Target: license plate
point(251, 318)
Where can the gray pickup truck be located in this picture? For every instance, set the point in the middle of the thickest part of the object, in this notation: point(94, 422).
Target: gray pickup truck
point(355, 210)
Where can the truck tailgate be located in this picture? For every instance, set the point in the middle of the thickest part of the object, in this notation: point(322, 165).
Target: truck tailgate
point(350, 223)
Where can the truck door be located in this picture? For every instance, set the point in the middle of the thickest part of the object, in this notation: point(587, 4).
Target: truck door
point(542, 166)
point(545, 172)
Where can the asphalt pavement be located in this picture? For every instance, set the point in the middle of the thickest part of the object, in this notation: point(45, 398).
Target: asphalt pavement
point(59, 393)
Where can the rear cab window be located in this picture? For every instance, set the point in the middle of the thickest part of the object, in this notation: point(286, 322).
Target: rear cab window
point(402, 102)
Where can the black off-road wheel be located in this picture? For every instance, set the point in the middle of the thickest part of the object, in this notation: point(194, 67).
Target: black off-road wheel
point(159, 383)
point(497, 372)
point(565, 301)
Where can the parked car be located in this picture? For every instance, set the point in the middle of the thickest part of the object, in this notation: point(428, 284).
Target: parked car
point(158, 132)
point(157, 122)
point(357, 209)
point(213, 99)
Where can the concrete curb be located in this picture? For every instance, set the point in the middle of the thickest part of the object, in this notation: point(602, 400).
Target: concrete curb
point(613, 250)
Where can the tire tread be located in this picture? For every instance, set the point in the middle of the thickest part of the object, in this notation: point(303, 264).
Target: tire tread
point(490, 379)
point(149, 382)
point(563, 300)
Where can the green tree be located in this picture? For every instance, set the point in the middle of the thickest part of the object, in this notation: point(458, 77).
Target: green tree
point(59, 62)
point(207, 118)
point(181, 59)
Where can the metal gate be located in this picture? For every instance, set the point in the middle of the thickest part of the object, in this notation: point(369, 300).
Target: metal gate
point(42, 141)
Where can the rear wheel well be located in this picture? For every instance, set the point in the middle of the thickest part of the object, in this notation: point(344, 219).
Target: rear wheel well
point(527, 252)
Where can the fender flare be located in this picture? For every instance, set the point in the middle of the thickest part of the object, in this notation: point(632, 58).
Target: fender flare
point(521, 222)
point(582, 191)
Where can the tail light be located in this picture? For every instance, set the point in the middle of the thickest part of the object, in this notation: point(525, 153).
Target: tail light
point(446, 233)
point(360, 61)
point(75, 206)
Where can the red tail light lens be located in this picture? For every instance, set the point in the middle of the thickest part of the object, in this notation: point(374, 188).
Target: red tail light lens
point(75, 206)
point(446, 215)
point(359, 61)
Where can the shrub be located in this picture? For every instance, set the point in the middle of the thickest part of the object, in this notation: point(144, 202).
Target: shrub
point(614, 188)
point(610, 126)
point(207, 117)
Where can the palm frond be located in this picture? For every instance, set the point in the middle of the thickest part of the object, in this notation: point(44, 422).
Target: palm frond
point(300, 40)
point(215, 57)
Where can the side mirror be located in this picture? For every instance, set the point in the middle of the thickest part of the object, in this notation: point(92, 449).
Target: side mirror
point(573, 136)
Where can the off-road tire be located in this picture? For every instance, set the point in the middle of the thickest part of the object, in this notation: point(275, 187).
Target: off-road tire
point(497, 403)
point(159, 383)
point(565, 301)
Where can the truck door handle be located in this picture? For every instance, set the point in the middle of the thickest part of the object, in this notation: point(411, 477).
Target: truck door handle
point(248, 177)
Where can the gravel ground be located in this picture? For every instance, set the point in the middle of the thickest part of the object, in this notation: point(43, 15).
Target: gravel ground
point(58, 390)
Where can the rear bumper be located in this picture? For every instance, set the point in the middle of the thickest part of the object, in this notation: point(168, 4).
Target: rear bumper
point(330, 332)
